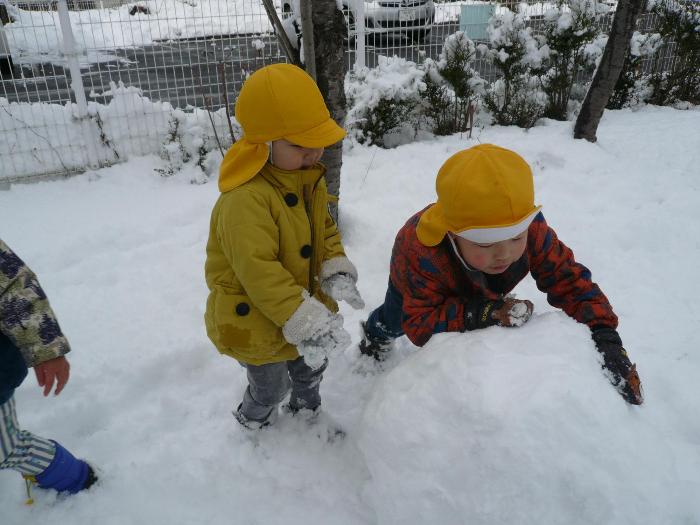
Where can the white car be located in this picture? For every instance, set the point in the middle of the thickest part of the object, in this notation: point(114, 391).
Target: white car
point(410, 18)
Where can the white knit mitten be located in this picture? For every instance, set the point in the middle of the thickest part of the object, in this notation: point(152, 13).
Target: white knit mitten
point(316, 332)
point(338, 277)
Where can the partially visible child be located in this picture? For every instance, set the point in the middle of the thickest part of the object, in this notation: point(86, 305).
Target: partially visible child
point(454, 262)
point(275, 263)
point(30, 337)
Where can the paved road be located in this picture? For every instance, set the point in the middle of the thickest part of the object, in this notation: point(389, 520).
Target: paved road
point(183, 72)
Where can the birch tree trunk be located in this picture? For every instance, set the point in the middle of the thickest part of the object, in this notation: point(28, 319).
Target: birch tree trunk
point(609, 69)
point(329, 28)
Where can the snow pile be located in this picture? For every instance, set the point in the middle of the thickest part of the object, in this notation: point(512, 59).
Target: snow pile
point(478, 428)
point(42, 138)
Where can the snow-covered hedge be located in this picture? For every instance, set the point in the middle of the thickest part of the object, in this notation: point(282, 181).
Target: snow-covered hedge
point(541, 73)
point(515, 97)
point(633, 87)
point(393, 102)
point(679, 26)
point(382, 101)
point(537, 74)
point(574, 42)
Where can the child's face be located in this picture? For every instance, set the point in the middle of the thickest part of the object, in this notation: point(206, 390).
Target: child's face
point(492, 258)
point(288, 156)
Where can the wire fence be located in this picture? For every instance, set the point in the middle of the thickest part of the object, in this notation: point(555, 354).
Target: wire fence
point(79, 76)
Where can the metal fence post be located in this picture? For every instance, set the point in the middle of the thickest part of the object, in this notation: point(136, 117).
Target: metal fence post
point(76, 84)
point(359, 34)
point(6, 65)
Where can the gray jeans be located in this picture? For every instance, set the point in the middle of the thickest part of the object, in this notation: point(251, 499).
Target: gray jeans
point(269, 384)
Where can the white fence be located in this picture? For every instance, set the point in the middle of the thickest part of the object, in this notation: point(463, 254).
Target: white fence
point(87, 83)
point(89, 87)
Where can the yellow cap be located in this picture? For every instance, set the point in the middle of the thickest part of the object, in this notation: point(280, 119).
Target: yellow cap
point(279, 101)
point(485, 194)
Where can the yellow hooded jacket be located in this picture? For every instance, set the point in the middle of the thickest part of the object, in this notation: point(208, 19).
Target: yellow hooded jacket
point(268, 238)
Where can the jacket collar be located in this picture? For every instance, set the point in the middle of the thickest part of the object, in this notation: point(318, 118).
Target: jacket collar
point(292, 179)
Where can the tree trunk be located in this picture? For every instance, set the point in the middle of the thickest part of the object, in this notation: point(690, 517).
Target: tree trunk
point(329, 28)
point(609, 69)
point(307, 29)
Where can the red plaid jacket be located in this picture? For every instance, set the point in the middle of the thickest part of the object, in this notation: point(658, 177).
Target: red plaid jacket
point(435, 284)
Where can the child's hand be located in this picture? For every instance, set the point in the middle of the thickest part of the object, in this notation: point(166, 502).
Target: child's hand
point(57, 369)
point(508, 312)
point(330, 339)
point(512, 312)
point(341, 287)
point(316, 332)
point(617, 366)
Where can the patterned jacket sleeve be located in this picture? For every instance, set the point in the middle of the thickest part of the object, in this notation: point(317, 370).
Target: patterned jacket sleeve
point(26, 317)
point(428, 308)
point(568, 284)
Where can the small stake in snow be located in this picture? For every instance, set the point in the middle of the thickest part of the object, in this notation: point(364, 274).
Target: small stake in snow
point(224, 85)
point(470, 118)
point(207, 104)
point(28, 482)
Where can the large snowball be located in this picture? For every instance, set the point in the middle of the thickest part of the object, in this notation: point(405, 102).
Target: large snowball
point(519, 426)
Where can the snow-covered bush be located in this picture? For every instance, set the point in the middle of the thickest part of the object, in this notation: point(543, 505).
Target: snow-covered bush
point(190, 139)
point(575, 44)
point(513, 99)
point(173, 151)
point(452, 86)
point(382, 101)
point(679, 26)
point(632, 88)
point(436, 101)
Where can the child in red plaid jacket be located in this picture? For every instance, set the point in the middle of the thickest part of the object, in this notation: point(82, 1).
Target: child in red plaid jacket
point(454, 262)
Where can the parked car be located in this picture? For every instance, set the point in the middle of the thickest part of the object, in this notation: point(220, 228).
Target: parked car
point(410, 18)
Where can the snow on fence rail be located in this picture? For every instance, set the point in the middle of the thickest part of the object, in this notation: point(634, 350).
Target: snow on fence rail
point(168, 56)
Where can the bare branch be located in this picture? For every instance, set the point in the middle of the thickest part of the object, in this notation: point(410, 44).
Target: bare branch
point(292, 54)
point(224, 84)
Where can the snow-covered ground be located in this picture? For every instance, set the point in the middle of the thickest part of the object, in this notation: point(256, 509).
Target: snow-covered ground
point(501, 426)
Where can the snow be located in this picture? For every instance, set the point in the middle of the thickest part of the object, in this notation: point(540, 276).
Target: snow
point(499, 426)
point(42, 138)
point(35, 36)
point(451, 11)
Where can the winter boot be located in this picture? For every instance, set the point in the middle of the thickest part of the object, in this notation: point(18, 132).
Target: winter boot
point(252, 424)
point(65, 473)
point(376, 348)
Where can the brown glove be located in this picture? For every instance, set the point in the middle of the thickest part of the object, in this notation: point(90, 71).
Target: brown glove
point(617, 366)
point(508, 312)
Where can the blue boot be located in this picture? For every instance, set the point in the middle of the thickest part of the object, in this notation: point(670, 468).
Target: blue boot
point(66, 473)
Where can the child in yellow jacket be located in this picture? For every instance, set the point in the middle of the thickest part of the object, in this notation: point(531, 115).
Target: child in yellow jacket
point(275, 263)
